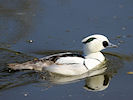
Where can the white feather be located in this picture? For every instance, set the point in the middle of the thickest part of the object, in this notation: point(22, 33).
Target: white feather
point(91, 63)
point(68, 70)
point(70, 60)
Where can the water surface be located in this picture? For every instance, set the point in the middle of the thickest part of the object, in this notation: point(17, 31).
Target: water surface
point(30, 29)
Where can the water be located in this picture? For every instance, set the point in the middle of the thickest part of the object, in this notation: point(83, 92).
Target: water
point(30, 29)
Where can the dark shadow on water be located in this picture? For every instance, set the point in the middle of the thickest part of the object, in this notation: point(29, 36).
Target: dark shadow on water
point(11, 79)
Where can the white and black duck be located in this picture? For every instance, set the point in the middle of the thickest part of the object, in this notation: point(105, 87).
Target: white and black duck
point(69, 63)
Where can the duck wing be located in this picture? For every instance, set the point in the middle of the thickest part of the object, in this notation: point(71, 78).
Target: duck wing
point(64, 58)
point(39, 64)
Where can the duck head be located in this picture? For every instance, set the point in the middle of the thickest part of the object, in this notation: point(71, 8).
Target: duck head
point(96, 43)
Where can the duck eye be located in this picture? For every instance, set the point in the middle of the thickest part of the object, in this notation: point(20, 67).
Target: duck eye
point(89, 40)
point(105, 43)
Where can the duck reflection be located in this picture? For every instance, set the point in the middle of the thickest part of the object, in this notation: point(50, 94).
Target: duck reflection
point(95, 80)
point(59, 79)
point(97, 83)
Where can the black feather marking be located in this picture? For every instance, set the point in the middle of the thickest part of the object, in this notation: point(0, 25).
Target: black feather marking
point(86, 86)
point(85, 65)
point(54, 58)
point(106, 80)
point(89, 40)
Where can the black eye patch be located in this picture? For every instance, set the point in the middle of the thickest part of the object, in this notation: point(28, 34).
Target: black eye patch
point(105, 43)
point(89, 40)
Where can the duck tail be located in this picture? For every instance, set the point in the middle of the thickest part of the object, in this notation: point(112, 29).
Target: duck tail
point(17, 66)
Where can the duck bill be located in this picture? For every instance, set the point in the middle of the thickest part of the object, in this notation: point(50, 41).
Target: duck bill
point(112, 45)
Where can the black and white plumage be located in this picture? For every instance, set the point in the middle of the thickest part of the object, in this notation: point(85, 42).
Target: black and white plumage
point(69, 63)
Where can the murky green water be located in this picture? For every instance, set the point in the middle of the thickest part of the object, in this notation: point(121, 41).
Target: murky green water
point(31, 28)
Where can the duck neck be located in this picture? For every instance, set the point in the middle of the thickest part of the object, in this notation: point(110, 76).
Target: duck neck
point(97, 55)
